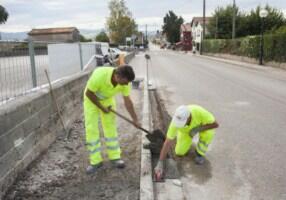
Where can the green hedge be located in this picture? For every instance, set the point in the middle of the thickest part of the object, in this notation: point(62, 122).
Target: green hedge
point(274, 46)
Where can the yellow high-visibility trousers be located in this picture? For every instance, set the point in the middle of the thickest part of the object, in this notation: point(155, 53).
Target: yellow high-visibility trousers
point(184, 142)
point(92, 114)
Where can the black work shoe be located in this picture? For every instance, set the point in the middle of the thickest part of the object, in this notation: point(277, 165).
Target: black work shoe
point(118, 163)
point(91, 169)
point(199, 159)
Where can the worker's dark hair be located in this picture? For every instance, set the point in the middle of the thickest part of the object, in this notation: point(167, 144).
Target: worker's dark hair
point(126, 71)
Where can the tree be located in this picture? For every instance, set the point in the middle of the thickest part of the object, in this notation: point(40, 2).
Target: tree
point(281, 29)
point(171, 27)
point(272, 21)
point(120, 23)
point(220, 23)
point(83, 39)
point(3, 15)
point(246, 24)
point(102, 37)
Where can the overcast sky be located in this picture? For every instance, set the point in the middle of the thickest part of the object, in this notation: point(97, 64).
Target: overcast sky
point(92, 14)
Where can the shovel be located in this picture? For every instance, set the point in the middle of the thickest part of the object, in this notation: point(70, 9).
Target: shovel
point(156, 137)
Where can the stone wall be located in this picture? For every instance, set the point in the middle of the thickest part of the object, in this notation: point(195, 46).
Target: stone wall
point(31, 123)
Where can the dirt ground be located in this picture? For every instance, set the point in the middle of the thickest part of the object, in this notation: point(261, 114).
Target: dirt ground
point(59, 173)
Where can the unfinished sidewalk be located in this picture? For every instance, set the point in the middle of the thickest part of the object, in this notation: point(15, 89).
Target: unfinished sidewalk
point(59, 173)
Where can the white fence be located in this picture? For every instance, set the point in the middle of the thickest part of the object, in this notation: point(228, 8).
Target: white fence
point(22, 64)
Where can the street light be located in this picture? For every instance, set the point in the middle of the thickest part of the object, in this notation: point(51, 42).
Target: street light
point(204, 27)
point(263, 13)
point(233, 19)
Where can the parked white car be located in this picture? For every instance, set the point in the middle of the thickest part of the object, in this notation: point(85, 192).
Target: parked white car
point(104, 48)
point(114, 52)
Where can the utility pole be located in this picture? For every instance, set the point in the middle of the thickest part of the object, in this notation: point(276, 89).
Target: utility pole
point(233, 20)
point(204, 26)
point(146, 36)
point(216, 26)
point(204, 19)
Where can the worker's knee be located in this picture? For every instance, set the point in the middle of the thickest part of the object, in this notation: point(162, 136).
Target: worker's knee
point(181, 151)
point(180, 155)
point(207, 136)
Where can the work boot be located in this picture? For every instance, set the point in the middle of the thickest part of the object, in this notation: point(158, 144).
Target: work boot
point(91, 169)
point(118, 163)
point(199, 159)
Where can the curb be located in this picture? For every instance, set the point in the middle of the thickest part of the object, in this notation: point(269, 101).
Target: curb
point(234, 62)
point(238, 63)
point(146, 182)
point(148, 189)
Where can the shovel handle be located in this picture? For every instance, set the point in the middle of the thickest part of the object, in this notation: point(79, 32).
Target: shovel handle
point(128, 120)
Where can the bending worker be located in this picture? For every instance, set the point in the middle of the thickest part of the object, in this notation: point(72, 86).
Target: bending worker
point(102, 86)
point(186, 123)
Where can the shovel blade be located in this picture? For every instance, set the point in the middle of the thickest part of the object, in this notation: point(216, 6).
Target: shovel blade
point(156, 139)
point(156, 136)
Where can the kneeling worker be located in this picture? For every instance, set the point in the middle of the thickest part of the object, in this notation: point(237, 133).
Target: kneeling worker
point(186, 123)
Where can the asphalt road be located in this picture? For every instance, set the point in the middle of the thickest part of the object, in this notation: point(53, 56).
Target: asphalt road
point(247, 157)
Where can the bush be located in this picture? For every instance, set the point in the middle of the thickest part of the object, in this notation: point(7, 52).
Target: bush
point(274, 46)
point(280, 47)
point(281, 29)
point(214, 46)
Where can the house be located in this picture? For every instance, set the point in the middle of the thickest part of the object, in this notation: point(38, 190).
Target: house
point(139, 39)
point(186, 37)
point(62, 34)
point(162, 38)
point(197, 31)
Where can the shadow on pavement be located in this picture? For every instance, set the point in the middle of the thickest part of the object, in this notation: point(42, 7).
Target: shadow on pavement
point(200, 174)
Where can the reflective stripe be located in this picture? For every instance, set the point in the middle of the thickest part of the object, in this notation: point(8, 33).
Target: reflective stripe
point(115, 139)
point(203, 143)
point(200, 149)
point(93, 143)
point(100, 96)
point(113, 147)
point(95, 150)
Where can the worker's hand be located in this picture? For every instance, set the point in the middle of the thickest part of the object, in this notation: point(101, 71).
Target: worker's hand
point(159, 170)
point(196, 130)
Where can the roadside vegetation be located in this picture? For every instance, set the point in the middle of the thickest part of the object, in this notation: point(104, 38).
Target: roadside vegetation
point(247, 42)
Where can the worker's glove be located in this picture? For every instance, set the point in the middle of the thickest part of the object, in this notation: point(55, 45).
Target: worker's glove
point(159, 170)
point(196, 130)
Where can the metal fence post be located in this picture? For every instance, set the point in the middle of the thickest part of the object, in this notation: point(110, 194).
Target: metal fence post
point(95, 49)
point(80, 56)
point(95, 52)
point(32, 60)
